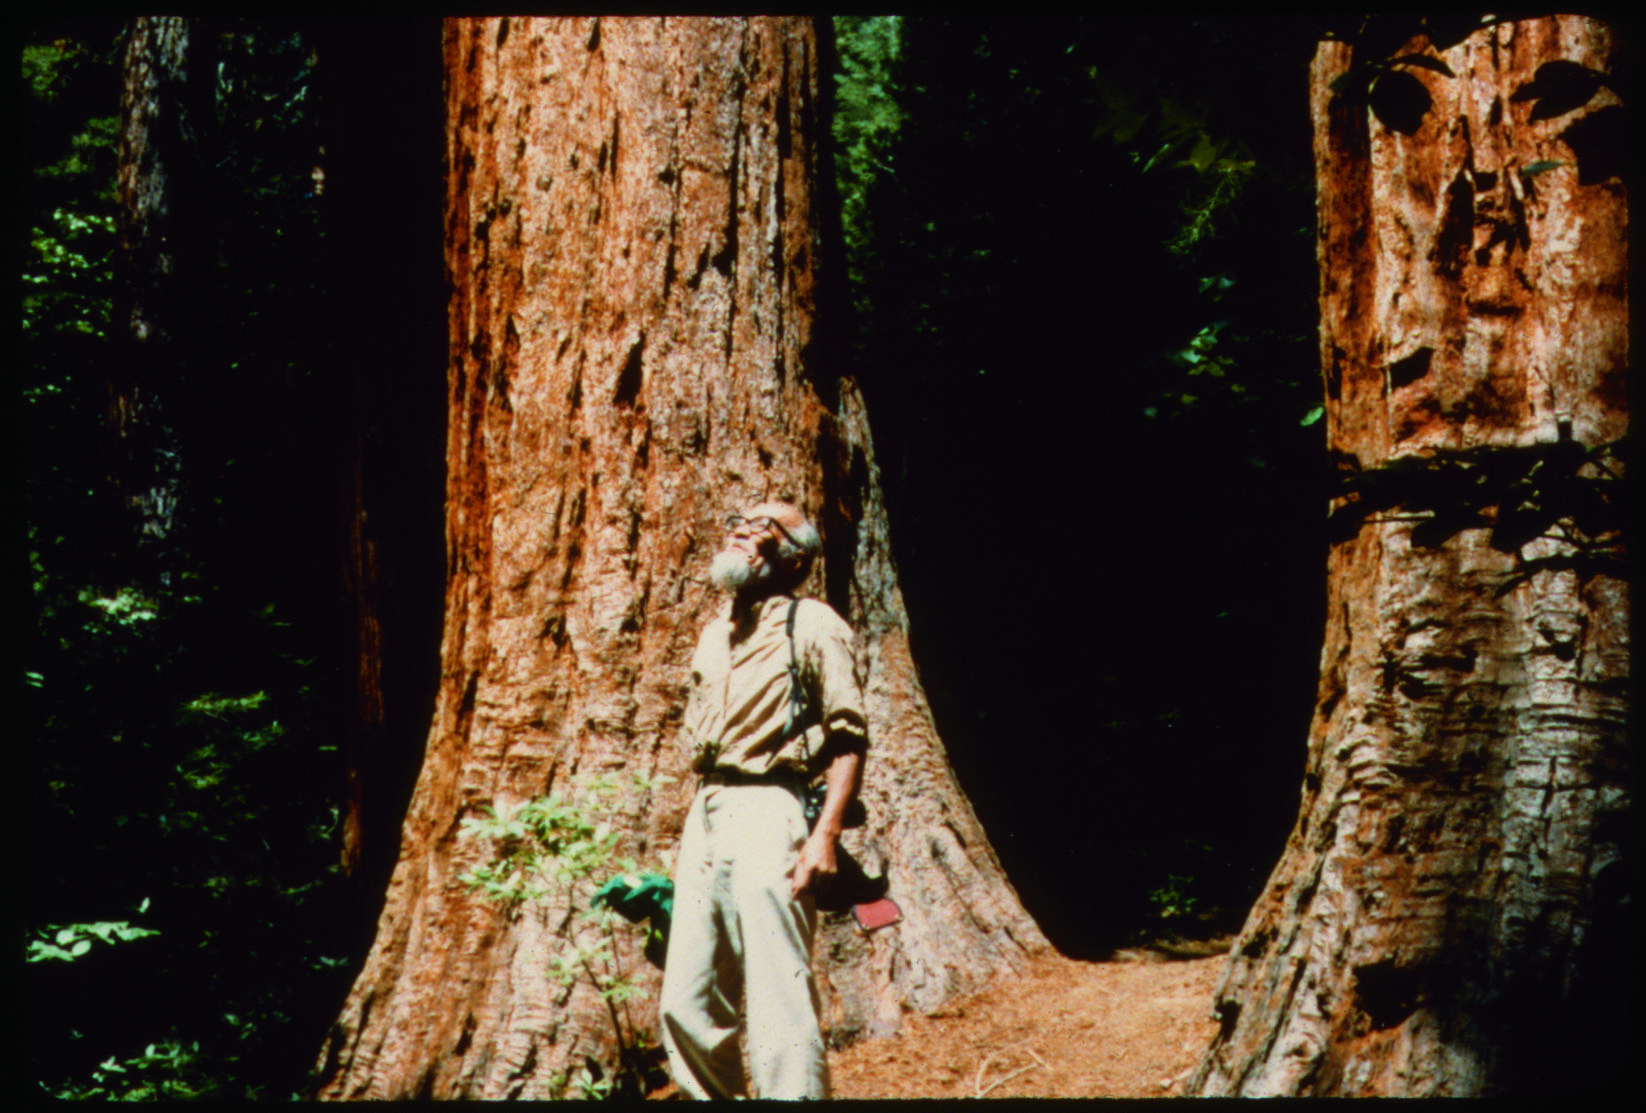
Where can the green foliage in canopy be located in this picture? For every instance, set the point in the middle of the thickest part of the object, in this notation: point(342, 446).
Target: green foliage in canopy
point(867, 121)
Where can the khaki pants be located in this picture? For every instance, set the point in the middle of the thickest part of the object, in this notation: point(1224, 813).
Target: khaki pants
point(736, 932)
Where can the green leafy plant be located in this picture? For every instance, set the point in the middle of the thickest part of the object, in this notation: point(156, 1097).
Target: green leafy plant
point(555, 847)
point(1162, 130)
point(165, 1071)
point(68, 942)
point(1172, 898)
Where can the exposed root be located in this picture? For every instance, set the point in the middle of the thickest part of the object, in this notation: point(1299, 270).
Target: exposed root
point(980, 1090)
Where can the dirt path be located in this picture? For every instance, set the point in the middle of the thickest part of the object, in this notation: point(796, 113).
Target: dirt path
point(1128, 1028)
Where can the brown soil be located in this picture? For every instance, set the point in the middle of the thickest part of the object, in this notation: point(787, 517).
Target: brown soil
point(1131, 1027)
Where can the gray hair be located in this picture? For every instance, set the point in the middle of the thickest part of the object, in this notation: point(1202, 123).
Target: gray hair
point(806, 543)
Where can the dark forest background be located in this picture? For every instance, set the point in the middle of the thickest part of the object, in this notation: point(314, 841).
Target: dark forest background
point(1081, 305)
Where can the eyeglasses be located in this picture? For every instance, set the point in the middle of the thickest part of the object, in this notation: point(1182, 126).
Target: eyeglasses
point(735, 522)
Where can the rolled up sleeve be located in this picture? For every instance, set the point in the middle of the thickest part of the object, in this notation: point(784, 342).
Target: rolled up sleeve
point(838, 667)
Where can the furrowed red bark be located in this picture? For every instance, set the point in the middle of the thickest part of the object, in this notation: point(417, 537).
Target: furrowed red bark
point(1449, 916)
point(633, 250)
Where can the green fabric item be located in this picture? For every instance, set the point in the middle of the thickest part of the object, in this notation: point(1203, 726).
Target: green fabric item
point(637, 897)
point(642, 896)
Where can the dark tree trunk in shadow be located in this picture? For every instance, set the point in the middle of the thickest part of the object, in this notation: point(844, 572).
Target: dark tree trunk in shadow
point(163, 256)
point(379, 176)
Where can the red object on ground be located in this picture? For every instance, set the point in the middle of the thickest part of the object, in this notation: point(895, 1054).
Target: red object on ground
point(877, 914)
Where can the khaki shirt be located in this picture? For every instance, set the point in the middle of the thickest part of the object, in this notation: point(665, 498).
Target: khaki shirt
point(739, 697)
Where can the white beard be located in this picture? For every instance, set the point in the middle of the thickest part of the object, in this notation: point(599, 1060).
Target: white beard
point(731, 571)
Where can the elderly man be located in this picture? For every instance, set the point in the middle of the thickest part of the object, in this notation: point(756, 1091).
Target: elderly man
point(744, 912)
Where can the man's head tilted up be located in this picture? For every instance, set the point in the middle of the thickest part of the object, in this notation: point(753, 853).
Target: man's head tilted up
point(768, 549)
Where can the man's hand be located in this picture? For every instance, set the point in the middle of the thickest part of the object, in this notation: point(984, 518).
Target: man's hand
point(816, 862)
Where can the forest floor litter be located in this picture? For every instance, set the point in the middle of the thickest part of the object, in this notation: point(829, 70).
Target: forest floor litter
point(1132, 1026)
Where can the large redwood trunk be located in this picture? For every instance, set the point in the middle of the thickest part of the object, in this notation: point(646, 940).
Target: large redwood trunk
point(633, 248)
point(1449, 916)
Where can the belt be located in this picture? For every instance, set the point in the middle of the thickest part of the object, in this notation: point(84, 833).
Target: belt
point(786, 778)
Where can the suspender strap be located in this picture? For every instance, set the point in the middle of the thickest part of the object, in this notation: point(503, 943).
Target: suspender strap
point(812, 795)
point(794, 724)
